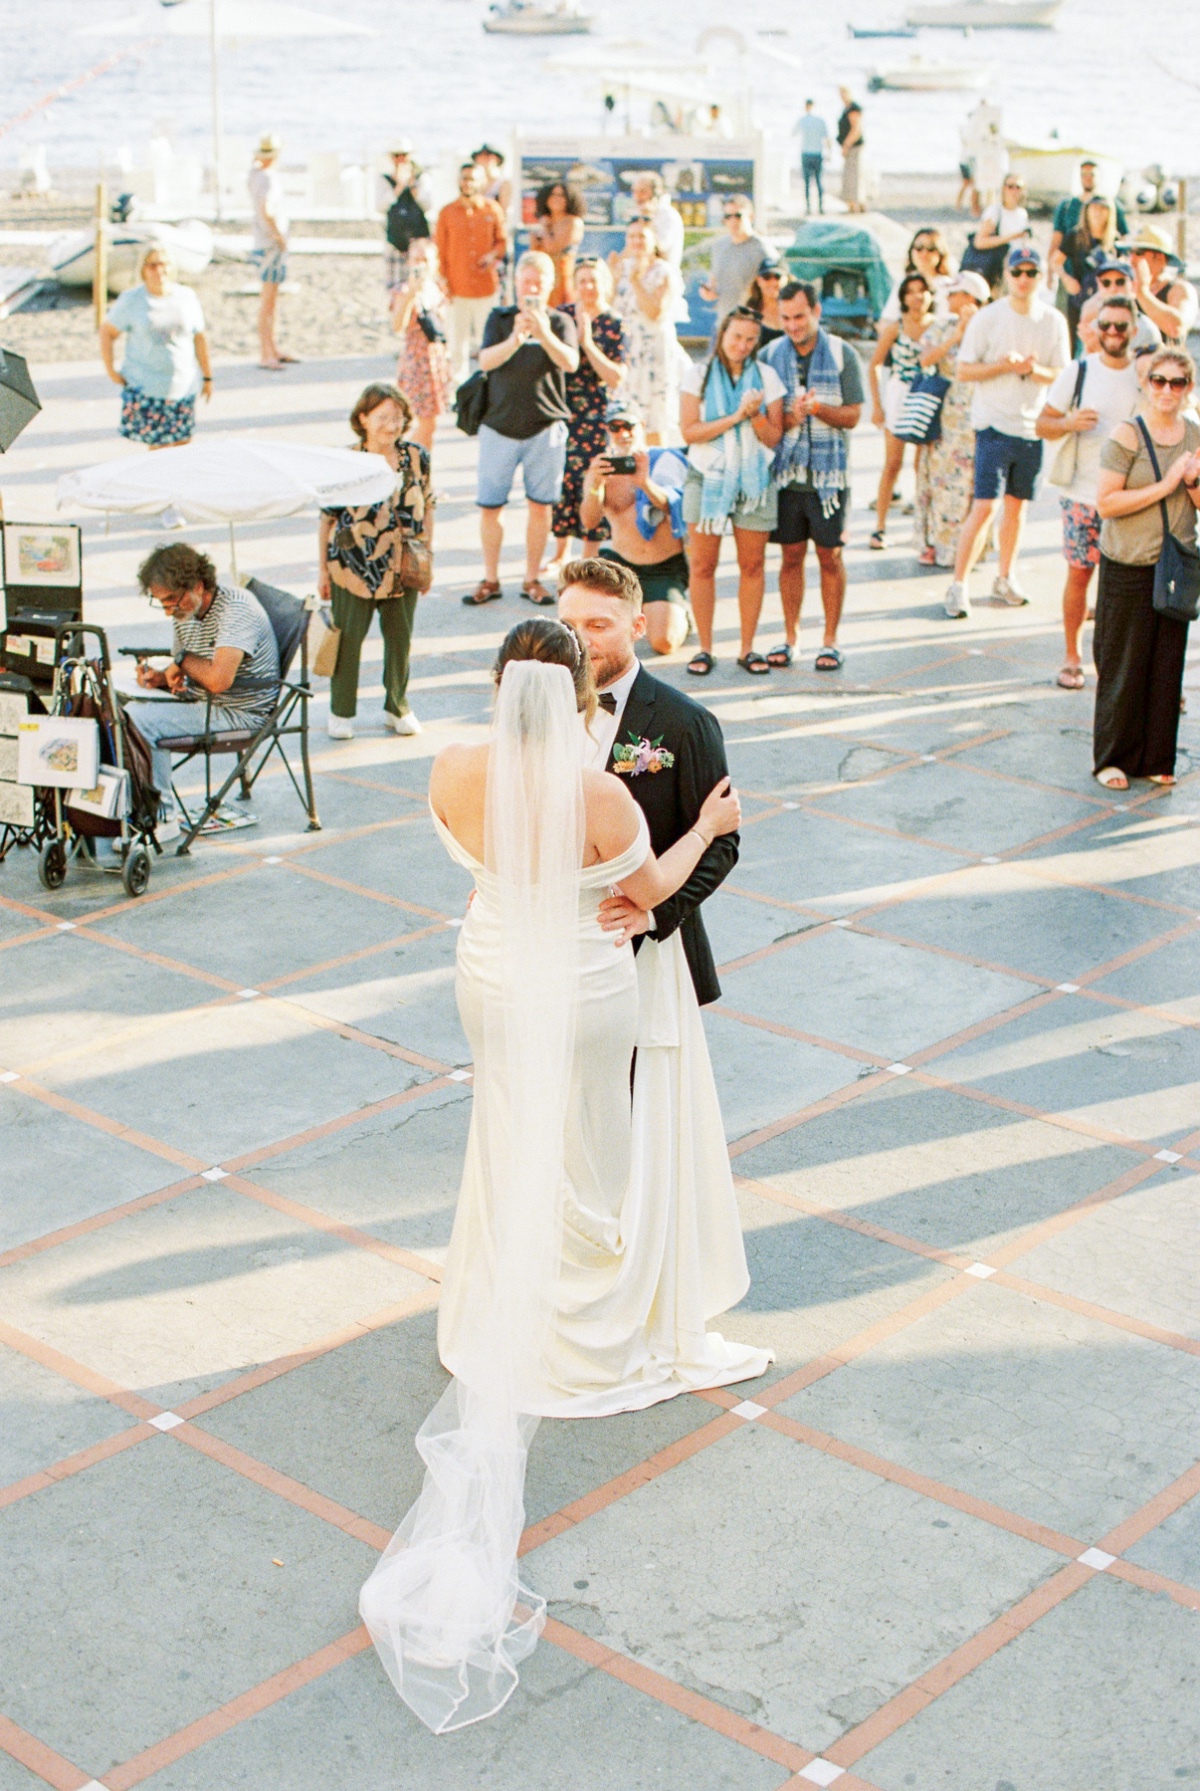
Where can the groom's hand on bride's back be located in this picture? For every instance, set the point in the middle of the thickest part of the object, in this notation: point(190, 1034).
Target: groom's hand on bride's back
point(623, 918)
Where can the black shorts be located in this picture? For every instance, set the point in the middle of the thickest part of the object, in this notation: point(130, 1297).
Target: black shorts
point(666, 581)
point(802, 519)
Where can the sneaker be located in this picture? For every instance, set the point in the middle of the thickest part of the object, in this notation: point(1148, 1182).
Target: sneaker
point(956, 601)
point(339, 727)
point(401, 724)
point(1005, 592)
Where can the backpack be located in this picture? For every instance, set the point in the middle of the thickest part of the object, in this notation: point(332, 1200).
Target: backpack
point(405, 220)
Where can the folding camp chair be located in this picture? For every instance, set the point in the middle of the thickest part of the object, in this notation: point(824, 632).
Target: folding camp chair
point(288, 717)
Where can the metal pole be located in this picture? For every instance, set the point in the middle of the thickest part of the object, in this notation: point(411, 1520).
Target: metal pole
point(233, 554)
point(1182, 224)
point(100, 269)
point(216, 108)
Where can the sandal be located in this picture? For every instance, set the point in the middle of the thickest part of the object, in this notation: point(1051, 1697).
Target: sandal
point(829, 659)
point(754, 663)
point(485, 592)
point(1071, 678)
point(701, 664)
point(927, 557)
point(878, 540)
point(1113, 778)
point(780, 657)
point(1164, 778)
point(534, 591)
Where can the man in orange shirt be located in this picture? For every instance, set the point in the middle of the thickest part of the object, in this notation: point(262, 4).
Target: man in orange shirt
point(471, 243)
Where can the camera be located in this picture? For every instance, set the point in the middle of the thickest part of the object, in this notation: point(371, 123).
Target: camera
point(622, 463)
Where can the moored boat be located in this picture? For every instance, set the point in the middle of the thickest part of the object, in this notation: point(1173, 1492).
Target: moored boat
point(988, 15)
point(523, 18)
point(919, 76)
point(71, 257)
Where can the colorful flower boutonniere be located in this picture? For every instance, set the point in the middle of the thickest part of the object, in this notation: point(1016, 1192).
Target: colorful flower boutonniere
point(636, 756)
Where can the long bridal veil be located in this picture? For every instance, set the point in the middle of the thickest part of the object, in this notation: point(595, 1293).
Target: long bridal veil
point(444, 1606)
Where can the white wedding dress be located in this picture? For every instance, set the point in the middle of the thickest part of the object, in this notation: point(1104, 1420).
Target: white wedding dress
point(591, 1243)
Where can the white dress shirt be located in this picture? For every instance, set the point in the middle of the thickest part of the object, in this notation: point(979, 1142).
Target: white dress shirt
point(598, 741)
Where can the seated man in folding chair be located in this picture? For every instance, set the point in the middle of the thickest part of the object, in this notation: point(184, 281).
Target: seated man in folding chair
point(224, 667)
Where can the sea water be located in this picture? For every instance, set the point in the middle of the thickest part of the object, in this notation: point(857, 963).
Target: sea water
point(1122, 80)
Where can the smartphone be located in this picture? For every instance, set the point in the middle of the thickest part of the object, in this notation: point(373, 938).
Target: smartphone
point(622, 463)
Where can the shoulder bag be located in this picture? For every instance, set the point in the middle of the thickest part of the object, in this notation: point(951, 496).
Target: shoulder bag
point(470, 402)
point(1177, 574)
point(416, 555)
point(988, 262)
point(1065, 461)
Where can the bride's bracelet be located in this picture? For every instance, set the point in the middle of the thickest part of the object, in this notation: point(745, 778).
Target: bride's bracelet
point(705, 843)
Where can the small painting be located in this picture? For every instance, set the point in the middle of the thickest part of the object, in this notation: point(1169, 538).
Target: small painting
point(41, 555)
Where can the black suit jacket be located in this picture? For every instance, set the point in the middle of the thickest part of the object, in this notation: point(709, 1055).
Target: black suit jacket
point(671, 801)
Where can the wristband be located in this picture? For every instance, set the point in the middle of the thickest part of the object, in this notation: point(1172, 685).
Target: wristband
point(705, 843)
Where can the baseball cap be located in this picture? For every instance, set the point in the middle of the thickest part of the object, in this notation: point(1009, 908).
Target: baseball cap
point(971, 282)
point(1024, 256)
point(1112, 264)
point(623, 410)
point(770, 265)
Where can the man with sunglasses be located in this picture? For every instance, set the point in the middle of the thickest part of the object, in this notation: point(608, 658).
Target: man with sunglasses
point(1012, 351)
point(736, 257)
point(644, 512)
point(1114, 279)
point(1087, 401)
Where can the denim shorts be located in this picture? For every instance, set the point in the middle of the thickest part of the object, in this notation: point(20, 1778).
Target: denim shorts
point(1005, 465)
point(542, 459)
point(763, 519)
point(270, 265)
point(1081, 533)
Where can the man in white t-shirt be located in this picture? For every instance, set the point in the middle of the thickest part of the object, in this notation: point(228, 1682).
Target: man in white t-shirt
point(1011, 353)
point(1087, 401)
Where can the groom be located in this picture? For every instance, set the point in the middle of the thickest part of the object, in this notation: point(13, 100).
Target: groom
point(668, 749)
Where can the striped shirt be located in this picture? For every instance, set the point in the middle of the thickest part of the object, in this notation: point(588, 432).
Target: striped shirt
point(234, 618)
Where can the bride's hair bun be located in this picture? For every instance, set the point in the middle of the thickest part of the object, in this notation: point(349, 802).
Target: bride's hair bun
point(552, 642)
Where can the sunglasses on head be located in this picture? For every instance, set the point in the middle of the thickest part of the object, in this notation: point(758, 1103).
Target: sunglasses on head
point(1160, 381)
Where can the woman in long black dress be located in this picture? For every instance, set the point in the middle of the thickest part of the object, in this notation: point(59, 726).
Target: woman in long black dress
point(601, 370)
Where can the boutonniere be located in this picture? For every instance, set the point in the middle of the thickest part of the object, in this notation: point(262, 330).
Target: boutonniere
point(636, 756)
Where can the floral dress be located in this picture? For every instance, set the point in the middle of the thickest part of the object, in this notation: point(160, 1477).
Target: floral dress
point(946, 467)
point(587, 434)
point(653, 351)
point(423, 367)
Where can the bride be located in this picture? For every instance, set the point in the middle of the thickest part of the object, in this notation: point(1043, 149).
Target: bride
point(591, 1243)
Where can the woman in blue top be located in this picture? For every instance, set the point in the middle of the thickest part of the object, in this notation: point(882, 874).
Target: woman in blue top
point(166, 362)
point(731, 417)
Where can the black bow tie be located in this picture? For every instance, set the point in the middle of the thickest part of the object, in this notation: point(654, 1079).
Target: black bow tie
point(608, 702)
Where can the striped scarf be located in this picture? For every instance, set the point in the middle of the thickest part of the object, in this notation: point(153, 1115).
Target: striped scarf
point(815, 447)
point(738, 474)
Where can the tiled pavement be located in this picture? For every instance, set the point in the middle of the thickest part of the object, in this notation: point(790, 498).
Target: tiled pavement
point(950, 1542)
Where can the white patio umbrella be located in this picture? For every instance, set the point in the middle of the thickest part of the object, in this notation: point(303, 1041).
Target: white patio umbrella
point(231, 479)
point(223, 22)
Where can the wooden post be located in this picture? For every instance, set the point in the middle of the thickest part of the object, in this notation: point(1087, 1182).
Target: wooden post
point(1181, 224)
point(100, 272)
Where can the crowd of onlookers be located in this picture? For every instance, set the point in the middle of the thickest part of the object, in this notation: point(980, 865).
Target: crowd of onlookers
point(629, 447)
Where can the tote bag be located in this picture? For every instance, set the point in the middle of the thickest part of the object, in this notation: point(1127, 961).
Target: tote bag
point(920, 418)
point(1177, 574)
point(1062, 473)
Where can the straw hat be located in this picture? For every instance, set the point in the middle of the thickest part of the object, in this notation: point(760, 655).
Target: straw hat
point(269, 144)
point(1152, 239)
point(401, 146)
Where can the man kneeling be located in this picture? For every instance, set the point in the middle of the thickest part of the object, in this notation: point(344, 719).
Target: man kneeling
point(224, 650)
point(638, 491)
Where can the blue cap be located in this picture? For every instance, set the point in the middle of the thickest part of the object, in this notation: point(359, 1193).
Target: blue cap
point(1024, 256)
point(621, 409)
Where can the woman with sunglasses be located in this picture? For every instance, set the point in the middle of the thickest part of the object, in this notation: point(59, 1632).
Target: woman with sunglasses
point(763, 298)
point(1087, 401)
point(166, 364)
point(731, 414)
point(1139, 653)
point(1002, 225)
point(928, 254)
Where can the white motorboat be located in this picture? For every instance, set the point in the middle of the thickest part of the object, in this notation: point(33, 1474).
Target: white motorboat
point(523, 18)
point(1050, 169)
point(71, 257)
point(919, 76)
point(988, 15)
